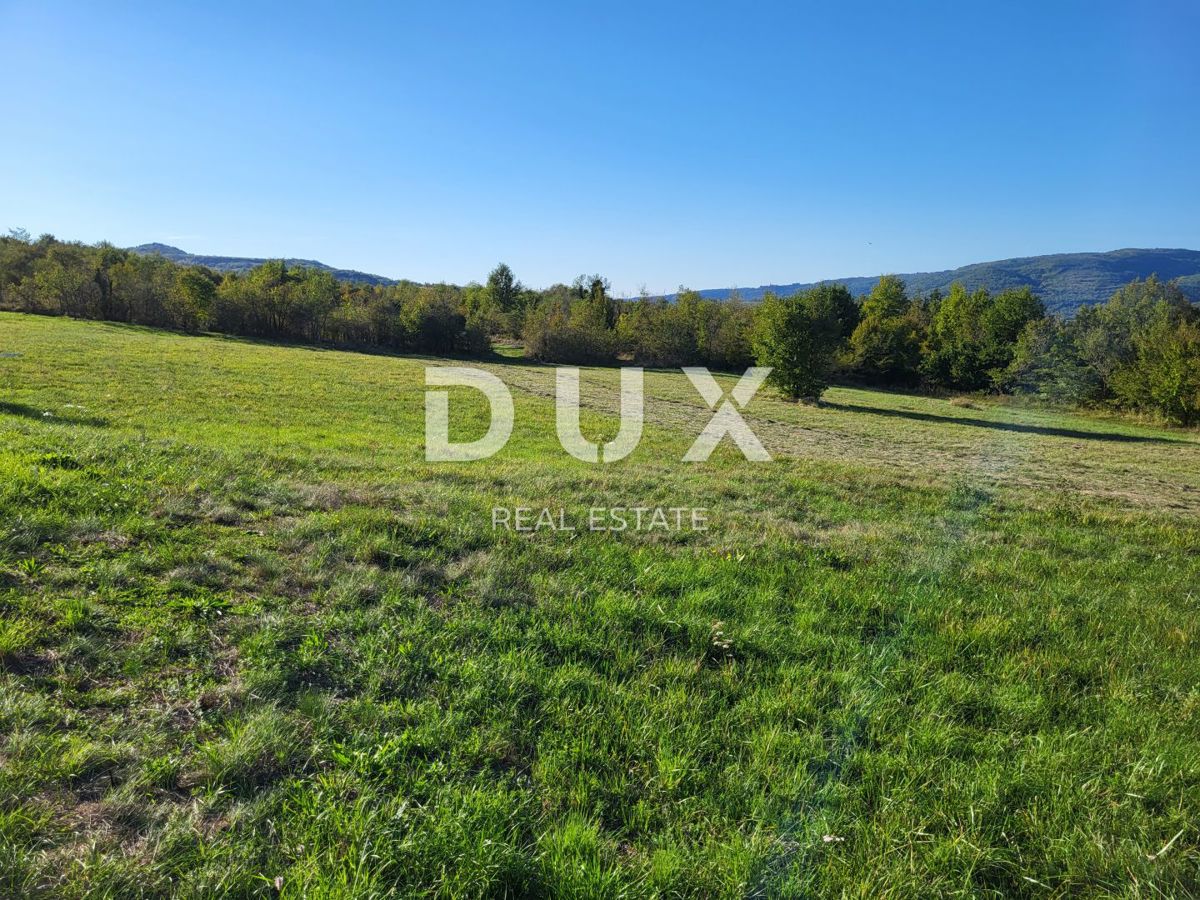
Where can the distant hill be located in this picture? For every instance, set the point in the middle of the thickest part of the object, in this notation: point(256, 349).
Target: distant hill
point(245, 264)
point(1065, 281)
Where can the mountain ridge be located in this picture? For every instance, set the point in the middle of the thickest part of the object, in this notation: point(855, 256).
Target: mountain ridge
point(1065, 281)
point(242, 264)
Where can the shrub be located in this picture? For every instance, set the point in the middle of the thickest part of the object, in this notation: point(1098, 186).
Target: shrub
point(658, 333)
point(553, 333)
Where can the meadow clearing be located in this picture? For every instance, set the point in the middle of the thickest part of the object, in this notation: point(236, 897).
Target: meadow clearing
point(252, 644)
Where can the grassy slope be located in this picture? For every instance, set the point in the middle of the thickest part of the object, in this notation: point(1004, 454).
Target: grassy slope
point(248, 633)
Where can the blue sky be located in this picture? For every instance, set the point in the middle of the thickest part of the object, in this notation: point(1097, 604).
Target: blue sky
point(710, 145)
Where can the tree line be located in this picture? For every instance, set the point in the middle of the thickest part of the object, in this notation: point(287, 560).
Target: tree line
point(271, 301)
point(1140, 350)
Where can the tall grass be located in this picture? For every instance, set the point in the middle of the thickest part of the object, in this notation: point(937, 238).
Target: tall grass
point(253, 645)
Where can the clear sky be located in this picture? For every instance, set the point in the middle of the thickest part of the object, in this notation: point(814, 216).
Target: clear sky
point(710, 145)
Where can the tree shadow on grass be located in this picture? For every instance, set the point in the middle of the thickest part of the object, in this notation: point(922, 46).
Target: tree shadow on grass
point(1006, 426)
point(26, 411)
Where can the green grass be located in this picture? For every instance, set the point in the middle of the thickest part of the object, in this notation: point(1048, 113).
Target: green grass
point(251, 643)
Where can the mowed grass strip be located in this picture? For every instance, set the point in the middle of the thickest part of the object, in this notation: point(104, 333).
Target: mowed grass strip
point(251, 644)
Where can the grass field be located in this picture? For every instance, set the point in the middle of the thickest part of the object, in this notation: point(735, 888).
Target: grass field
point(252, 644)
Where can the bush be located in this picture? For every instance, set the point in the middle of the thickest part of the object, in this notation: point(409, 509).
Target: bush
point(553, 334)
point(658, 333)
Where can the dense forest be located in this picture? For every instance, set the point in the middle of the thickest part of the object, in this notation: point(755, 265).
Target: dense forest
point(1140, 350)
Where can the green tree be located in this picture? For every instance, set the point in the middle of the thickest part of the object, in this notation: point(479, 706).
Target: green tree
point(599, 308)
point(1003, 320)
point(64, 281)
point(1106, 335)
point(953, 351)
point(833, 307)
point(796, 337)
point(885, 345)
point(1171, 367)
point(972, 336)
point(503, 289)
point(887, 298)
point(1046, 362)
point(659, 333)
point(1164, 374)
point(190, 302)
point(887, 349)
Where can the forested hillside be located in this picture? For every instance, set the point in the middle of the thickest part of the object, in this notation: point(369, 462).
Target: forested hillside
point(242, 264)
point(1064, 281)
